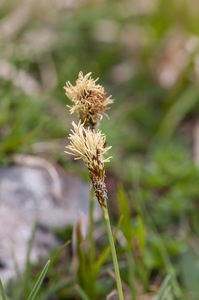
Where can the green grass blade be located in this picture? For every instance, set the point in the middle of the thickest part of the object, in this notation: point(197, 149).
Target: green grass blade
point(2, 290)
point(39, 282)
point(27, 270)
point(166, 293)
point(161, 246)
point(57, 254)
point(163, 287)
point(81, 293)
point(18, 273)
point(36, 131)
point(125, 210)
point(186, 102)
point(85, 274)
point(56, 288)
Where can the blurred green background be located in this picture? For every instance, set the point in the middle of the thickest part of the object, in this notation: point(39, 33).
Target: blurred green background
point(146, 55)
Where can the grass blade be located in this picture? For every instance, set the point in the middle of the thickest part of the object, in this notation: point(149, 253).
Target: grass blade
point(160, 244)
point(81, 293)
point(56, 288)
point(177, 112)
point(18, 273)
point(57, 254)
point(166, 293)
point(27, 270)
point(2, 290)
point(163, 287)
point(39, 282)
point(125, 210)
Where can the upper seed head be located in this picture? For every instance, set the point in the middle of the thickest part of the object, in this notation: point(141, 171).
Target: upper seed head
point(89, 98)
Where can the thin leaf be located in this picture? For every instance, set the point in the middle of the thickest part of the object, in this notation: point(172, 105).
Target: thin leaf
point(190, 270)
point(163, 287)
point(161, 247)
point(140, 233)
point(27, 270)
point(85, 274)
point(18, 273)
point(125, 210)
point(177, 111)
point(2, 290)
point(141, 228)
point(166, 293)
point(57, 254)
point(36, 131)
point(39, 282)
point(81, 293)
point(56, 288)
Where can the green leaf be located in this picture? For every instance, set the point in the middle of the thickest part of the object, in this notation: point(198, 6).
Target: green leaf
point(125, 210)
point(85, 274)
point(190, 271)
point(54, 288)
point(140, 232)
point(177, 111)
point(166, 293)
point(27, 270)
point(82, 293)
point(2, 291)
point(160, 243)
point(18, 273)
point(57, 254)
point(164, 287)
point(39, 282)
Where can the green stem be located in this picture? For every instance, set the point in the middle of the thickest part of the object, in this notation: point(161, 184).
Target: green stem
point(91, 238)
point(112, 245)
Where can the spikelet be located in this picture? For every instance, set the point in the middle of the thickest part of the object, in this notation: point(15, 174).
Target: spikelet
point(89, 99)
point(89, 145)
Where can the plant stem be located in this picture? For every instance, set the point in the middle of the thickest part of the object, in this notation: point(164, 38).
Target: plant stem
point(112, 245)
point(92, 247)
point(91, 238)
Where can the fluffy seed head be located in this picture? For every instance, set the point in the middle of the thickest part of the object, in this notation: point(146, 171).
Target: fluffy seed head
point(89, 145)
point(89, 99)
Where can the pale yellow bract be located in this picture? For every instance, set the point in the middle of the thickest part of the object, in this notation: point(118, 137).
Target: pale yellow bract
point(88, 145)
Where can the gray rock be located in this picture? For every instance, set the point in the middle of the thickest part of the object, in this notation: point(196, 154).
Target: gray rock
point(25, 194)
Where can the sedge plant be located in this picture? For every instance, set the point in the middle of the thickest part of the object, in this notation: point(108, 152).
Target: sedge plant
point(88, 143)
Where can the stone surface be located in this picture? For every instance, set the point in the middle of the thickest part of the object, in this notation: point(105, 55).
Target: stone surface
point(25, 194)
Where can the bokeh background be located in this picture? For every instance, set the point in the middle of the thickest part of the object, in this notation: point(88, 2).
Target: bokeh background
point(146, 55)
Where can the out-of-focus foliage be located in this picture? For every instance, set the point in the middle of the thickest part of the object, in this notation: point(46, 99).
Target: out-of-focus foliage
point(146, 54)
point(169, 186)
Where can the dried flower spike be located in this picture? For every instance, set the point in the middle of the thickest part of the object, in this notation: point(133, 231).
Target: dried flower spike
point(89, 98)
point(89, 145)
